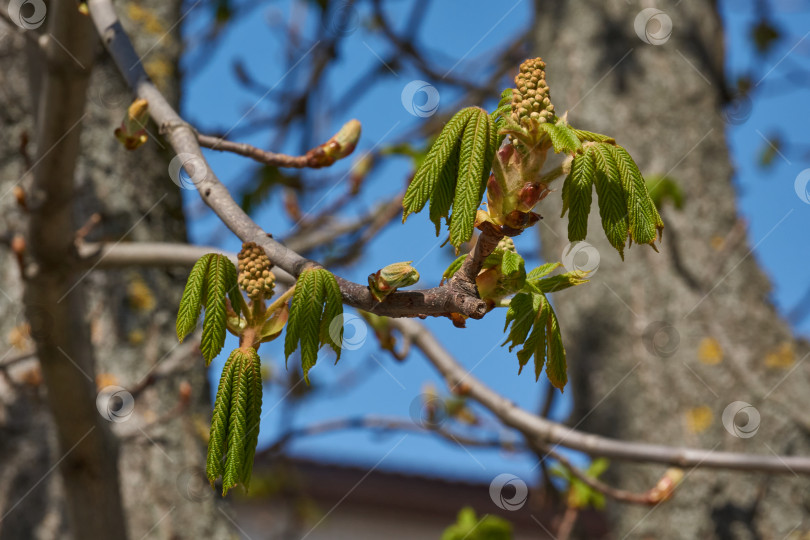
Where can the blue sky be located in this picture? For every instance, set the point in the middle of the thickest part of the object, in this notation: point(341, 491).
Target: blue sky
point(213, 97)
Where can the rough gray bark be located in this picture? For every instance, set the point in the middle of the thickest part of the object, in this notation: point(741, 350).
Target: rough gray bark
point(130, 312)
point(628, 381)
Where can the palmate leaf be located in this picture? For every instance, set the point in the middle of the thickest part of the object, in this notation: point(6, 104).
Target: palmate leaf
point(316, 303)
point(535, 327)
point(536, 344)
point(475, 160)
point(625, 206)
point(521, 313)
point(577, 195)
point(534, 324)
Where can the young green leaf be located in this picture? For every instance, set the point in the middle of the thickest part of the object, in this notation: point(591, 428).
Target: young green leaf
point(235, 423)
point(191, 301)
point(454, 267)
point(501, 113)
point(254, 413)
point(442, 198)
point(234, 294)
point(542, 271)
point(535, 326)
point(235, 458)
point(219, 280)
point(577, 195)
point(475, 160)
point(511, 262)
point(556, 367)
point(609, 190)
point(316, 303)
point(589, 136)
point(422, 186)
point(217, 441)
point(559, 282)
point(563, 138)
point(521, 313)
point(468, 526)
point(643, 217)
point(333, 311)
point(535, 344)
point(212, 278)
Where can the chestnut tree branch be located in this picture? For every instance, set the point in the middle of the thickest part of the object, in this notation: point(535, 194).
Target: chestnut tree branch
point(542, 432)
point(385, 424)
point(183, 139)
point(539, 431)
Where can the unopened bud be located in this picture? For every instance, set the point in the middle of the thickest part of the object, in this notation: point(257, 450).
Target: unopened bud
point(132, 131)
point(665, 487)
point(388, 279)
point(339, 146)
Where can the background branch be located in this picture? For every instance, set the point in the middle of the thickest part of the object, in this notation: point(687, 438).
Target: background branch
point(539, 431)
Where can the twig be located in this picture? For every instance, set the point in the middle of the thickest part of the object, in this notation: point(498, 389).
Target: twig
point(540, 431)
point(645, 498)
point(315, 158)
point(383, 424)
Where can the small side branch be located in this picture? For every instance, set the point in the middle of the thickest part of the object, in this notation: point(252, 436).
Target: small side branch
point(338, 146)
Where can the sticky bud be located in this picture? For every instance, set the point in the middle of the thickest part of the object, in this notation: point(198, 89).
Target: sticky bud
point(339, 146)
point(388, 279)
point(132, 131)
point(665, 487)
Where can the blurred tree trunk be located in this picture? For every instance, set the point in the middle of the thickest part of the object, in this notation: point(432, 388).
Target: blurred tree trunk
point(665, 342)
point(130, 312)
